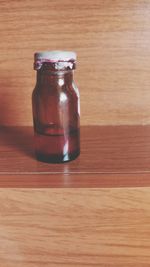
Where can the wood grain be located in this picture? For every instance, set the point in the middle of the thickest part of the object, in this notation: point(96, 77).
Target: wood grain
point(68, 227)
point(111, 156)
point(81, 180)
point(111, 39)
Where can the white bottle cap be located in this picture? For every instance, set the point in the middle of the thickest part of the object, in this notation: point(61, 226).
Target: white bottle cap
point(55, 56)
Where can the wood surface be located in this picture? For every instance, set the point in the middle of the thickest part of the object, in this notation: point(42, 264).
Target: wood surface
point(111, 39)
point(111, 156)
point(68, 227)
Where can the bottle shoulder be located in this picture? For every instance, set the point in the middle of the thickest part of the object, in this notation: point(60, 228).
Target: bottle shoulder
point(75, 88)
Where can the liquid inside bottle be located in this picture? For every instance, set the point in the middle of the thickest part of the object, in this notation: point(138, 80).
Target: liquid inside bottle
point(53, 145)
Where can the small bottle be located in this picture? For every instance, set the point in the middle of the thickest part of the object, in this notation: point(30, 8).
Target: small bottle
point(56, 107)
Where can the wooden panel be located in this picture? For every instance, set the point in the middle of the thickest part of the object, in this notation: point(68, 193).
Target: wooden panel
point(75, 227)
point(110, 156)
point(112, 41)
point(81, 180)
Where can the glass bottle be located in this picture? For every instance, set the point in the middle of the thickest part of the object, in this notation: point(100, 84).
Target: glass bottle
point(56, 107)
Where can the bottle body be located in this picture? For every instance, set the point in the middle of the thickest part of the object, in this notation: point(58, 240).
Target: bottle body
point(56, 116)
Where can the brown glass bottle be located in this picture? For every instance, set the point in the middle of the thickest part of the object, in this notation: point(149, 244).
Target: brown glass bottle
point(55, 102)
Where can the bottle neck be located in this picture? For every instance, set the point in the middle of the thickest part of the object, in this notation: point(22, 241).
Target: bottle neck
point(54, 78)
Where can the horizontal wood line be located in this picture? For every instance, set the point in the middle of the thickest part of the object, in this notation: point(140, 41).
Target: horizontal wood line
point(93, 180)
point(76, 173)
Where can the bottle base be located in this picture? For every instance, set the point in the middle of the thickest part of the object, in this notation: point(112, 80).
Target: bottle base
point(53, 158)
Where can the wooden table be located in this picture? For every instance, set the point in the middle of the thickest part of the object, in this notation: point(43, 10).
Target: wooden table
point(94, 211)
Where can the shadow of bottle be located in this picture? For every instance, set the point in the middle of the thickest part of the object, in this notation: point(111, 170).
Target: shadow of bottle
point(19, 138)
